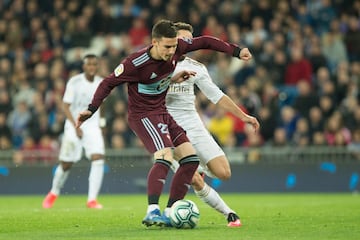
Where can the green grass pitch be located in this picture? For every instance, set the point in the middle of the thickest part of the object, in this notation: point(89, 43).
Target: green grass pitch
point(264, 216)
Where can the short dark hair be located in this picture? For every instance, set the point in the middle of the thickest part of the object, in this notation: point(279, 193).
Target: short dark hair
point(87, 56)
point(164, 28)
point(184, 26)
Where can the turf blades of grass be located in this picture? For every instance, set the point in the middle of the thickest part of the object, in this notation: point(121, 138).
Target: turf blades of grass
point(264, 216)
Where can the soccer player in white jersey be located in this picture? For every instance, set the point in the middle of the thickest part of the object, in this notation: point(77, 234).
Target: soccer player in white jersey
point(78, 93)
point(180, 102)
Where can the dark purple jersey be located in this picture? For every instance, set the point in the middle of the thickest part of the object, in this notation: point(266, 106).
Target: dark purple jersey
point(148, 79)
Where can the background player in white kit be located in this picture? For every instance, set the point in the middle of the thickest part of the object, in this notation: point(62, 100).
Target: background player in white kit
point(180, 102)
point(78, 93)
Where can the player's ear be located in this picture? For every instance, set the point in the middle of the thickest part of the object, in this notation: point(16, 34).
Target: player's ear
point(154, 41)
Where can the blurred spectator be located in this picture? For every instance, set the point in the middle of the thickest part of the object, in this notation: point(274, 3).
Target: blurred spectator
point(318, 139)
point(5, 101)
point(323, 15)
point(47, 149)
point(250, 100)
point(316, 120)
point(81, 35)
point(352, 39)
point(214, 28)
point(117, 142)
point(334, 49)
point(18, 121)
point(258, 32)
point(306, 99)
point(5, 133)
point(14, 34)
point(267, 122)
point(28, 153)
point(322, 75)
point(317, 58)
point(353, 120)
point(277, 68)
point(327, 106)
point(335, 132)
point(238, 125)
point(221, 126)
point(139, 34)
point(298, 69)
point(354, 145)
point(280, 139)
point(288, 120)
point(301, 136)
point(245, 16)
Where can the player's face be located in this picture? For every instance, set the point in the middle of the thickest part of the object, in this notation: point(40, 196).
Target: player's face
point(184, 34)
point(164, 48)
point(90, 66)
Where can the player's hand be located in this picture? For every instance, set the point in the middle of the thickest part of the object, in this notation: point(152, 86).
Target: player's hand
point(79, 132)
point(83, 116)
point(245, 54)
point(253, 122)
point(182, 76)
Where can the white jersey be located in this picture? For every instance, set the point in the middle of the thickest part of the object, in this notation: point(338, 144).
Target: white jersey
point(181, 96)
point(78, 93)
point(180, 102)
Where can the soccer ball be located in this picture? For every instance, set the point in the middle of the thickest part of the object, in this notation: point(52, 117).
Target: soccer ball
point(184, 214)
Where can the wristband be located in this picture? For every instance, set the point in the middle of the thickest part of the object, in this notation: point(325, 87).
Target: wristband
point(236, 52)
point(92, 108)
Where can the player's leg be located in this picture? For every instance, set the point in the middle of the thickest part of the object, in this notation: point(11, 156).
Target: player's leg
point(182, 178)
point(93, 144)
point(214, 164)
point(219, 166)
point(70, 152)
point(156, 181)
point(154, 134)
point(96, 176)
point(60, 176)
point(208, 195)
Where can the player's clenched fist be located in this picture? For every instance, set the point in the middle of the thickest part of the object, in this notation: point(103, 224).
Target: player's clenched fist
point(245, 54)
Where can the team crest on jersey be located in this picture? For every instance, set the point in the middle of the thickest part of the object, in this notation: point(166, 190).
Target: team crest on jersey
point(119, 70)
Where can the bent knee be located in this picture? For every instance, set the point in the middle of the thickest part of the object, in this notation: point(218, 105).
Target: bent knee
point(224, 175)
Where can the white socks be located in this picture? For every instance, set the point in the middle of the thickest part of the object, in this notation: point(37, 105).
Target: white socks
point(152, 207)
point(95, 178)
point(59, 180)
point(213, 199)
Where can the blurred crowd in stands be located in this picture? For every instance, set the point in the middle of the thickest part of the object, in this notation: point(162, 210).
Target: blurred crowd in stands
point(303, 83)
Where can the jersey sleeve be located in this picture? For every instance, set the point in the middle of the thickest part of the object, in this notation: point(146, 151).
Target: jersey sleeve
point(207, 86)
point(208, 42)
point(124, 72)
point(69, 93)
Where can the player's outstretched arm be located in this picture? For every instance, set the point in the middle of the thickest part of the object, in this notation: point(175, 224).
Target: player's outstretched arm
point(82, 117)
point(226, 103)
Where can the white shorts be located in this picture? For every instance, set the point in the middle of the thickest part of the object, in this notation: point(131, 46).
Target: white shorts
point(71, 146)
point(205, 145)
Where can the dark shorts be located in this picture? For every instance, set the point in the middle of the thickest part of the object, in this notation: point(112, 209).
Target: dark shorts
point(158, 131)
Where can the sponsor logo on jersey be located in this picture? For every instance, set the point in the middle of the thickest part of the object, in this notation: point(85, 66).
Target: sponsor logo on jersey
point(119, 70)
point(178, 88)
point(156, 87)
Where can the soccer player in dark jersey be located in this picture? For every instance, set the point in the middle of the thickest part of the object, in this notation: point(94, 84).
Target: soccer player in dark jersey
point(148, 74)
